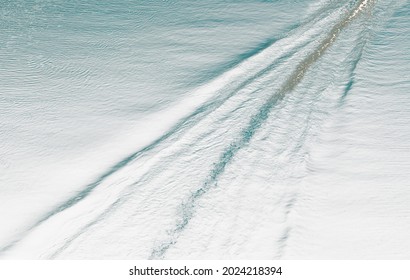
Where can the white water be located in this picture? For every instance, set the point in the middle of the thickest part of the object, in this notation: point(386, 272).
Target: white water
point(276, 157)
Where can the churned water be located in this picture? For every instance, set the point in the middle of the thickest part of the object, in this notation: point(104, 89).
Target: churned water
point(204, 129)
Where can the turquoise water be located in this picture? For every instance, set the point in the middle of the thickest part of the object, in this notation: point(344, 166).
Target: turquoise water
point(178, 112)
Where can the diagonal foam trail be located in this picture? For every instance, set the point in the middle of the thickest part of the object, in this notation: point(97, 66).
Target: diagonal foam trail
point(220, 90)
point(152, 171)
point(188, 207)
point(223, 87)
point(170, 136)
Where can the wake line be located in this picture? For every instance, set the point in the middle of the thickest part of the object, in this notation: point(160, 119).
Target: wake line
point(121, 200)
point(188, 207)
point(188, 121)
point(185, 123)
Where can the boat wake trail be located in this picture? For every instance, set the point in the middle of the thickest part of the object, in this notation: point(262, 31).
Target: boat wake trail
point(255, 123)
point(147, 203)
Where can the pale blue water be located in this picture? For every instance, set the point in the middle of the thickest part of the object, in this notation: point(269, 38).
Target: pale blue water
point(74, 73)
point(100, 109)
